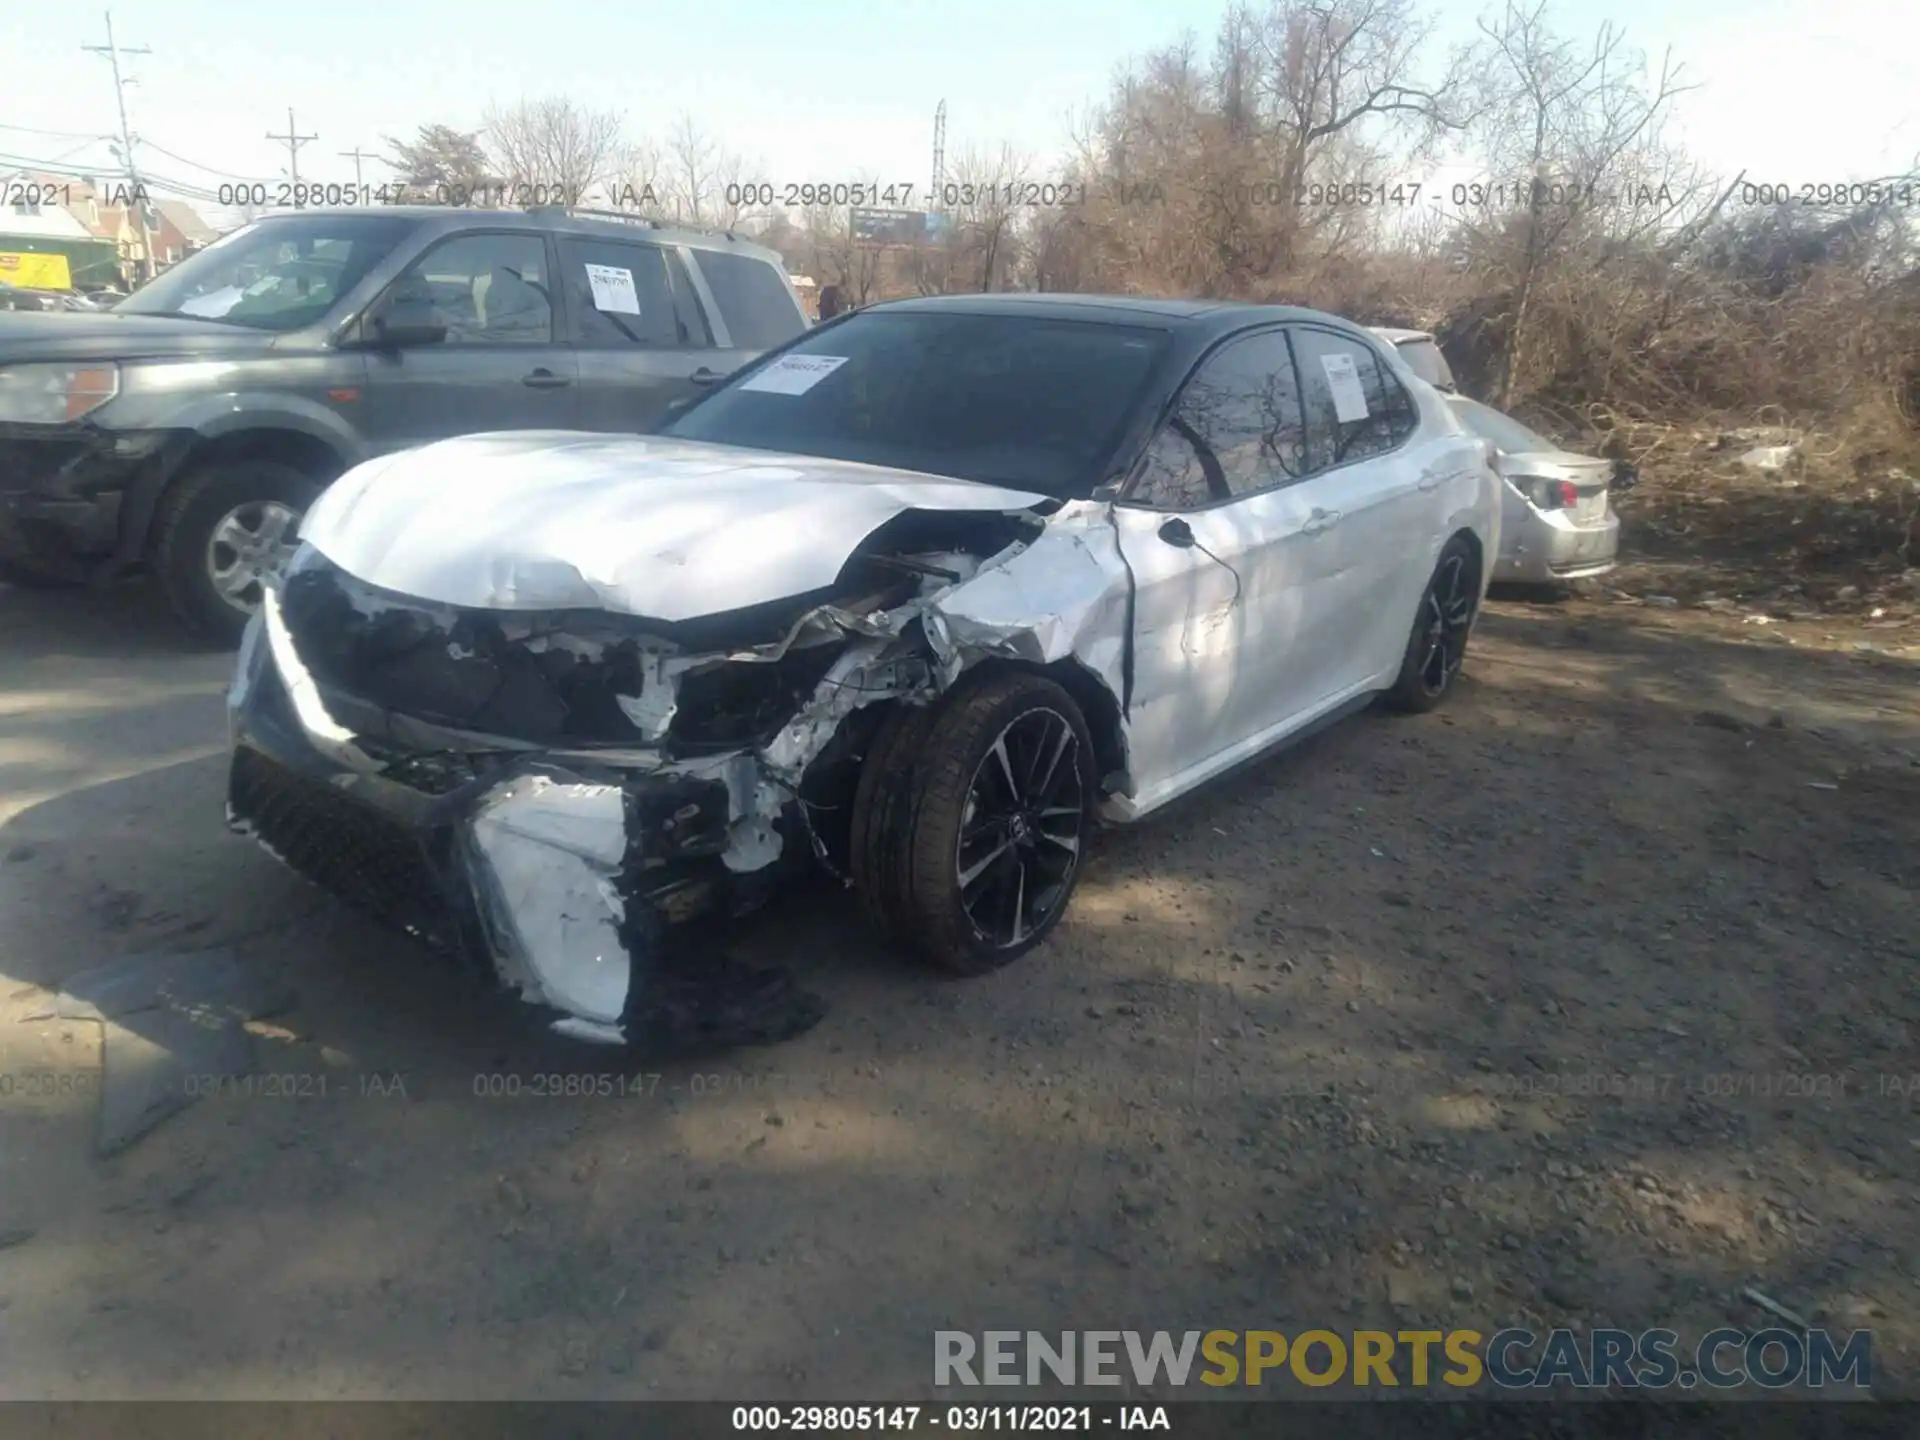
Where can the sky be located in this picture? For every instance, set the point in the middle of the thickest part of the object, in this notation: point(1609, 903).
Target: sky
point(1793, 91)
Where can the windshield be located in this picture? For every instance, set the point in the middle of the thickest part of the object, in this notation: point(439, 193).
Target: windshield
point(273, 275)
point(1423, 357)
point(1031, 402)
point(1503, 430)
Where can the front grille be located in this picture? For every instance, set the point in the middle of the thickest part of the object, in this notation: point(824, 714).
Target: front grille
point(353, 852)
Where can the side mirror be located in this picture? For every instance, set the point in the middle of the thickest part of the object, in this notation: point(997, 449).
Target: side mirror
point(1177, 533)
point(401, 323)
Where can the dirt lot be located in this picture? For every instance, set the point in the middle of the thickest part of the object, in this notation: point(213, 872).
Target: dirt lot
point(1305, 1053)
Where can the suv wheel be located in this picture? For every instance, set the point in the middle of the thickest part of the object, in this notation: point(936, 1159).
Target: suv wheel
point(222, 530)
point(969, 821)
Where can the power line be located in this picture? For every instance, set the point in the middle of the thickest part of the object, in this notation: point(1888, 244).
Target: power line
point(209, 169)
point(59, 167)
point(112, 51)
point(57, 160)
point(293, 142)
point(54, 134)
point(356, 154)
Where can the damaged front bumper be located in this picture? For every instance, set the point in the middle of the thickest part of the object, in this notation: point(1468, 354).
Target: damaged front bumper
point(66, 492)
point(563, 872)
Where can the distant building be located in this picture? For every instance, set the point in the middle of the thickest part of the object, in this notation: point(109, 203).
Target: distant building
point(180, 232)
point(41, 225)
point(143, 234)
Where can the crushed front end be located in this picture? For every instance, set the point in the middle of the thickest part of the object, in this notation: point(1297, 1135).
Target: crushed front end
point(553, 793)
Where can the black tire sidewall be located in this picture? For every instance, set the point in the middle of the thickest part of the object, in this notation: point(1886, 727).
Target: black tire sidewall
point(1409, 693)
point(190, 510)
point(942, 927)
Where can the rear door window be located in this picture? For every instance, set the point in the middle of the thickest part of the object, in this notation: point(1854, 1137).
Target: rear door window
point(618, 294)
point(1354, 406)
point(759, 311)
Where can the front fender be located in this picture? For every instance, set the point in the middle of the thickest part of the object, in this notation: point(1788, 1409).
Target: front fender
point(205, 419)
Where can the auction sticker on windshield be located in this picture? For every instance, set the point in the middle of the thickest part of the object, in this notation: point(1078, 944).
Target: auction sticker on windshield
point(613, 290)
point(794, 374)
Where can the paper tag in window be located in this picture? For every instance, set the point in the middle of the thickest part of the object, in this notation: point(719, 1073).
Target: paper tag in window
point(794, 374)
point(1343, 379)
point(613, 290)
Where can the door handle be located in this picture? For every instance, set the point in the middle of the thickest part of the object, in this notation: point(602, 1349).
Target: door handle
point(1319, 521)
point(704, 376)
point(545, 379)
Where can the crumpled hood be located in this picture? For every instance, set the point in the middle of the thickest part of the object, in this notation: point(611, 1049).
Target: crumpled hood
point(668, 529)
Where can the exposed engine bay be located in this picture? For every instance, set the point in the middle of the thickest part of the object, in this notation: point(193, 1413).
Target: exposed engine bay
point(565, 791)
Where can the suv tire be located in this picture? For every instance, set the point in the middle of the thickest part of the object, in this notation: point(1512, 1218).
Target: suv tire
point(219, 529)
point(970, 819)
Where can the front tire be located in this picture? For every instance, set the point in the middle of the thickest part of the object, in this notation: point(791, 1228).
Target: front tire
point(221, 532)
point(970, 820)
point(1437, 648)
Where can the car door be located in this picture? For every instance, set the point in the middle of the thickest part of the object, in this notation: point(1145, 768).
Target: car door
point(1223, 527)
point(750, 302)
point(636, 330)
point(499, 363)
point(1381, 494)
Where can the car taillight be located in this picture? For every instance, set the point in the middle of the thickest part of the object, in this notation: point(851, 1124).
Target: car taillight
point(1555, 494)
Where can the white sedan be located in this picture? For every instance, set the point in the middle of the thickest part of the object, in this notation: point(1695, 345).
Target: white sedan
point(915, 600)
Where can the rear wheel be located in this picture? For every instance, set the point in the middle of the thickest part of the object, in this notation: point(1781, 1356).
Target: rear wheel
point(222, 532)
point(1438, 645)
point(970, 821)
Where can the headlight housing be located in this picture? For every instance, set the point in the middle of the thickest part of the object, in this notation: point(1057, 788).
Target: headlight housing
point(54, 394)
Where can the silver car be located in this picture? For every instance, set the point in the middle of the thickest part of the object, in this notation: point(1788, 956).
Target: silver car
point(1422, 354)
point(1557, 520)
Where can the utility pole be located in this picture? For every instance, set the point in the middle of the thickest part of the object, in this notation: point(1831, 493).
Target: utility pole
point(293, 141)
point(356, 154)
point(143, 268)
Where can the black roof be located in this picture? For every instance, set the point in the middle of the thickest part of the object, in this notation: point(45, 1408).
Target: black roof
point(453, 217)
point(1211, 318)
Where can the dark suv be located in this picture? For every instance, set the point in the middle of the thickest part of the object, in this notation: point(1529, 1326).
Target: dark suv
point(187, 429)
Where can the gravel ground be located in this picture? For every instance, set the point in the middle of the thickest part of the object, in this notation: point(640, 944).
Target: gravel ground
point(1315, 1047)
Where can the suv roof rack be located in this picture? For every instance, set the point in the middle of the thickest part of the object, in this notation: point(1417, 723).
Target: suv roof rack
point(626, 217)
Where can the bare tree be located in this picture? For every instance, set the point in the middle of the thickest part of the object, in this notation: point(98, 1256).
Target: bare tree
point(638, 182)
point(834, 255)
point(554, 145)
point(1570, 128)
point(1227, 173)
point(704, 183)
point(978, 248)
